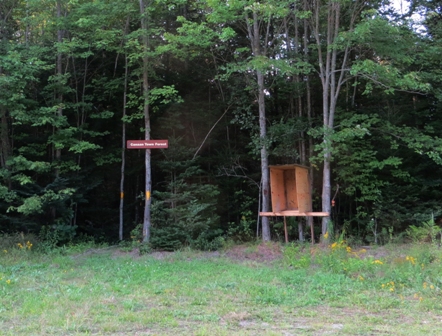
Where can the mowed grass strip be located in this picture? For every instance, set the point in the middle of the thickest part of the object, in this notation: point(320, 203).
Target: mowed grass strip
point(101, 294)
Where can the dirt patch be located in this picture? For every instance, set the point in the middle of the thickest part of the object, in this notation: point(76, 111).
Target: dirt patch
point(161, 255)
point(377, 252)
point(264, 252)
point(236, 317)
point(135, 253)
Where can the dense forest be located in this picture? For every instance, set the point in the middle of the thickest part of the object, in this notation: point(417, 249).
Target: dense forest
point(350, 88)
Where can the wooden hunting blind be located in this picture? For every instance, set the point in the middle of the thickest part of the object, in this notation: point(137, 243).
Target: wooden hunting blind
point(291, 194)
point(290, 191)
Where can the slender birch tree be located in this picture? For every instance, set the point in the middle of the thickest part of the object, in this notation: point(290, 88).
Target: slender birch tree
point(147, 158)
point(259, 50)
point(326, 24)
point(263, 24)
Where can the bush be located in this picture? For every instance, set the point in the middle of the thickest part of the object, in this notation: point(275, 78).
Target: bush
point(17, 241)
point(428, 232)
point(297, 256)
point(209, 241)
point(55, 235)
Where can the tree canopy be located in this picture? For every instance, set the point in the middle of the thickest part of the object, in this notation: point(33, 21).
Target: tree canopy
point(351, 89)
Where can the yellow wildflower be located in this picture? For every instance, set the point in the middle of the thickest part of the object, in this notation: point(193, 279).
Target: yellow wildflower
point(412, 260)
point(326, 235)
point(348, 248)
point(377, 262)
point(8, 281)
point(361, 278)
point(20, 245)
point(362, 250)
point(431, 287)
point(424, 285)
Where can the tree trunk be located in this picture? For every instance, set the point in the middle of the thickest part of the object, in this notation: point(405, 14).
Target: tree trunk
point(60, 95)
point(265, 188)
point(332, 77)
point(6, 141)
point(254, 36)
point(309, 112)
point(4, 137)
point(123, 152)
point(326, 191)
point(147, 157)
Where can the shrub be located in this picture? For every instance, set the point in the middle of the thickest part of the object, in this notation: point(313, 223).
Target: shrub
point(296, 256)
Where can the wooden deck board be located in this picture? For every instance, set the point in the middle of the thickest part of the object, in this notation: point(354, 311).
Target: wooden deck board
point(294, 213)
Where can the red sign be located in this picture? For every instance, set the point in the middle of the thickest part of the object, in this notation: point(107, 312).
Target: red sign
point(146, 144)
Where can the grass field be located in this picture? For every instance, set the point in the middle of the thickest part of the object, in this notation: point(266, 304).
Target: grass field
point(333, 290)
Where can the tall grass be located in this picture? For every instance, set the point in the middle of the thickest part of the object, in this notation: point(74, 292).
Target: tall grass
point(332, 290)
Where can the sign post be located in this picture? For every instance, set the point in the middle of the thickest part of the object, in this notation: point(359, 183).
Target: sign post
point(147, 144)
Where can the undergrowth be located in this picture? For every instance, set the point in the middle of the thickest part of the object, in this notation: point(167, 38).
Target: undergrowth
point(397, 272)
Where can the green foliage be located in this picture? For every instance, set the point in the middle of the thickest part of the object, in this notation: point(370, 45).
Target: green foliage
point(37, 203)
point(243, 229)
point(295, 256)
point(17, 241)
point(183, 213)
point(423, 142)
point(284, 135)
point(185, 45)
point(52, 237)
point(210, 240)
point(60, 130)
point(427, 232)
point(169, 238)
point(136, 242)
point(359, 160)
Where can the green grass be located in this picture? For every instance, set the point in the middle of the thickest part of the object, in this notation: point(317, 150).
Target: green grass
point(325, 291)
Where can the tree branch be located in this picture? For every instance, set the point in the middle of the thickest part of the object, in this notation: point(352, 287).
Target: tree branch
point(210, 131)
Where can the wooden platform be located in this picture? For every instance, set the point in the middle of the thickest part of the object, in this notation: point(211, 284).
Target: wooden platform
point(294, 213)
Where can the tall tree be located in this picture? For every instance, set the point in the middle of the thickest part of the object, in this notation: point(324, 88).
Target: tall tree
point(123, 151)
point(262, 23)
point(255, 17)
point(329, 19)
point(6, 31)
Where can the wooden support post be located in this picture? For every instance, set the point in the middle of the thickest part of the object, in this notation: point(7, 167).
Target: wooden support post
point(285, 231)
point(313, 233)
